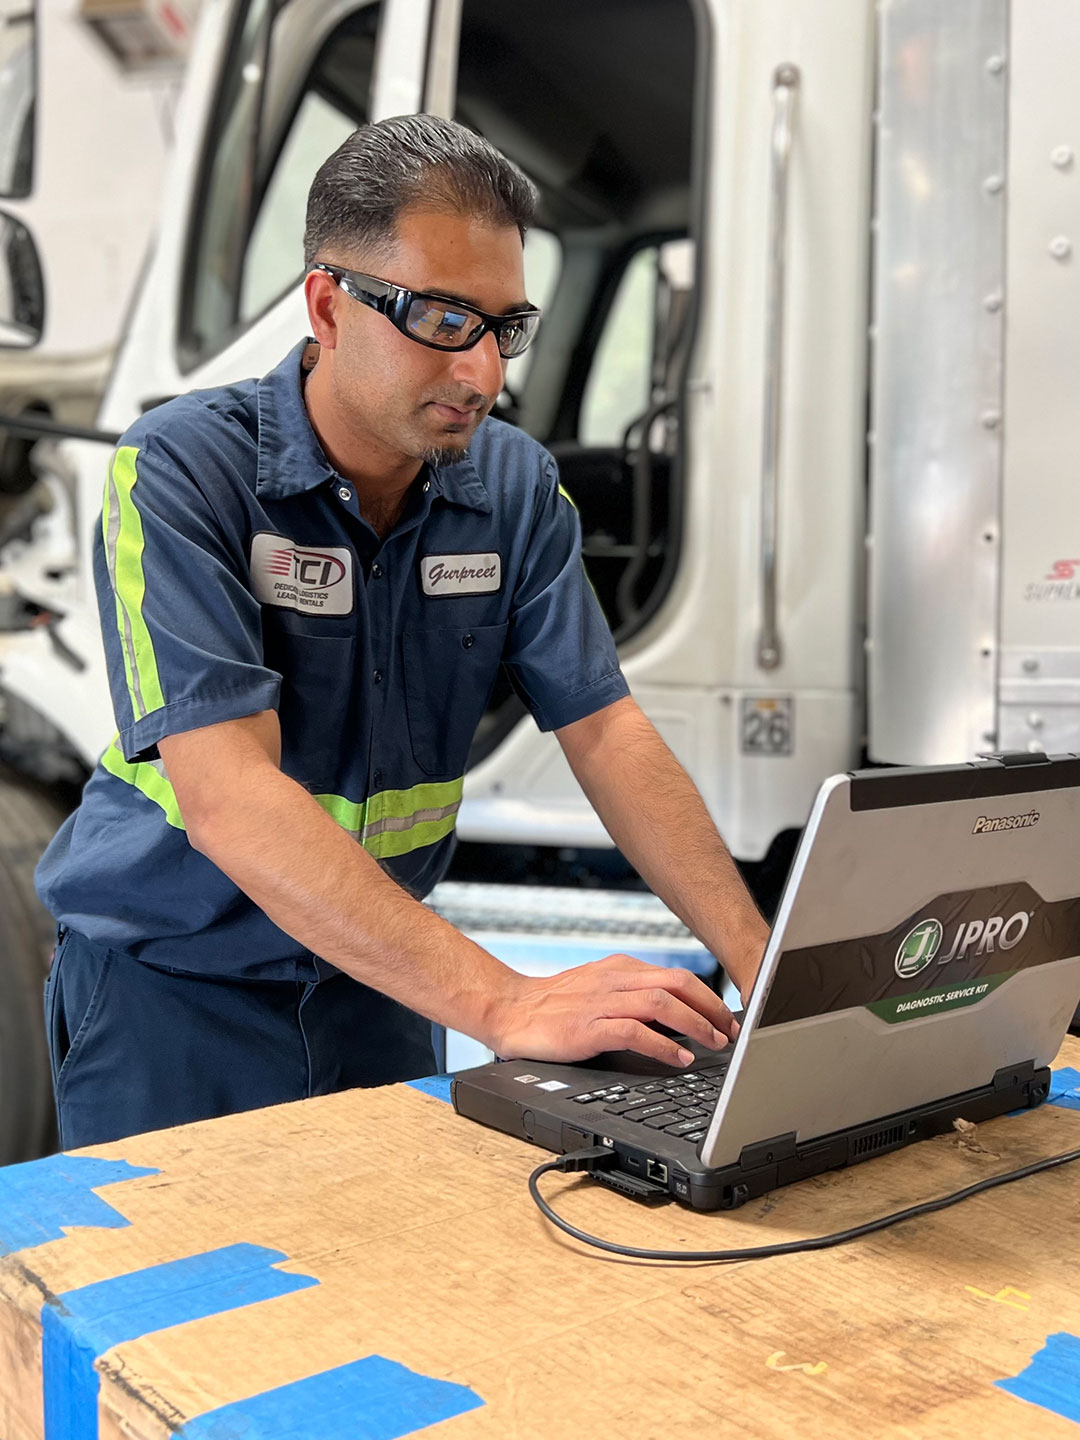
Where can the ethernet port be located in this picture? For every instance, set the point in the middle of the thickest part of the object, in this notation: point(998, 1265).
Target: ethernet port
point(656, 1170)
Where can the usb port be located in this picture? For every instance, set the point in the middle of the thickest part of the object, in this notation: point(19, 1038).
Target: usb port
point(656, 1170)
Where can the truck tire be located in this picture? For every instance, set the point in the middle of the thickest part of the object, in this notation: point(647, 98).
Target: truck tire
point(29, 817)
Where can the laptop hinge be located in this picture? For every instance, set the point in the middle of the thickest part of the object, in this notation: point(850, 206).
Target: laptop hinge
point(767, 1152)
point(1010, 1076)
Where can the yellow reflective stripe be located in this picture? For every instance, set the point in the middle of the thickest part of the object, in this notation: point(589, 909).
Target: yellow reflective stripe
point(393, 822)
point(148, 777)
point(346, 813)
point(399, 804)
point(567, 497)
point(124, 544)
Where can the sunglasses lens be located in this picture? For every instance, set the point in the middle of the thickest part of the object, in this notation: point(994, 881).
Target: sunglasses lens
point(440, 324)
point(516, 334)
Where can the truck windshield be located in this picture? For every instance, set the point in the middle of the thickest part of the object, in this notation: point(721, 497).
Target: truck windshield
point(17, 85)
point(275, 123)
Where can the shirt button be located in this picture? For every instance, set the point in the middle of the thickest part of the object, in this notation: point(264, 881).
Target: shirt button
point(467, 641)
point(344, 494)
point(427, 486)
point(377, 677)
point(376, 778)
point(376, 572)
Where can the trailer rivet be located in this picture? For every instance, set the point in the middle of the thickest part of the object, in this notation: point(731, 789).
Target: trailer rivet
point(1035, 721)
point(1030, 665)
point(993, 184)
point(1062, 156)
point(1061, 247)
point(996, 64)
point(993, 302)
point(991, 419)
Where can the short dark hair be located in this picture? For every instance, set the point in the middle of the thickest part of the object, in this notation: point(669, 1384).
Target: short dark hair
point(417, 162)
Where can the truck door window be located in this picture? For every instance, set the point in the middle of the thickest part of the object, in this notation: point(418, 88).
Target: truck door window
point(274, 256)
point(270, 134)
point(543, 261)
point(17, 87)
point(617, 390)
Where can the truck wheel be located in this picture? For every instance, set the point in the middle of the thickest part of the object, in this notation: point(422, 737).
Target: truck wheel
point(29, 817)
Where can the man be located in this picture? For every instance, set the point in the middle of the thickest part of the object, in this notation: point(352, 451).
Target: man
point(307, 585)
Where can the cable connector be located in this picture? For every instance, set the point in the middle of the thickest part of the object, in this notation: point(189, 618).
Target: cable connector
point(595, 1157)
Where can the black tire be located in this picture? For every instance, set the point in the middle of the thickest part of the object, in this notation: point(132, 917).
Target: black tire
point(29, 817)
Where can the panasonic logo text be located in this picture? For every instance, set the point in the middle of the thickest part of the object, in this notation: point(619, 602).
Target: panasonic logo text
point(994, 824)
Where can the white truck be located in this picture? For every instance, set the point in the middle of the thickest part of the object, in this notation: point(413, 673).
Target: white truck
point(808, 363)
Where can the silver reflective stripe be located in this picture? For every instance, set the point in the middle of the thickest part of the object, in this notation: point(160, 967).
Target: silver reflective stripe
point(406, 822)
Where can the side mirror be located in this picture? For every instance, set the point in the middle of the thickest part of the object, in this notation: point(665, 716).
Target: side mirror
point(22, 289)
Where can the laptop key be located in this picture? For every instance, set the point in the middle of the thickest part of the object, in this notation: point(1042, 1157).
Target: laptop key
point(684, 1127)
point(660, 1122)
point(695, 1136)
point(648, 1111)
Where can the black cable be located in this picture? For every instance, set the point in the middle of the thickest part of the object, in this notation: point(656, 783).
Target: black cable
point(584, 1160)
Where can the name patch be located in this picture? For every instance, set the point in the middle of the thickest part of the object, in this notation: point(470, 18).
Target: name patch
point(461, 574)
point(314, 579)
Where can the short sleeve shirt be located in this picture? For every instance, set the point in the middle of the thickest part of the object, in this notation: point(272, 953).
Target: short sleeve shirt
point(234, 575)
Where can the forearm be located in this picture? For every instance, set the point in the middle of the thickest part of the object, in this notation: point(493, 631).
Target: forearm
point(318, 885)
point(656, 816)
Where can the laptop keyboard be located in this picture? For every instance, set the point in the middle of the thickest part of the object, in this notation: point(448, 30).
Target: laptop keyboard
point(680, 1105)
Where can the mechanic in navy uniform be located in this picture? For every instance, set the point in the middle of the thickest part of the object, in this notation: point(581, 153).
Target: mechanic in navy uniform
point(307, 585)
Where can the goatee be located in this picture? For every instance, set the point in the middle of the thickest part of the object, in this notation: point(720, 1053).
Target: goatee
point(438, 455)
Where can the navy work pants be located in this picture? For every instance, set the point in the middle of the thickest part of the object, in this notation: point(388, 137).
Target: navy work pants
point(135, 1047)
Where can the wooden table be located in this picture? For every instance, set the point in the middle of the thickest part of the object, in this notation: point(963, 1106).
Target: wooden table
point(370, 1265)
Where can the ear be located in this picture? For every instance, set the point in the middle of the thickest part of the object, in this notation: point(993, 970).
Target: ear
point(323, 297)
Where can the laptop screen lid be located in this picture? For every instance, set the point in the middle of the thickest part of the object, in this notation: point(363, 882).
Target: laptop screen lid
point(929, 936)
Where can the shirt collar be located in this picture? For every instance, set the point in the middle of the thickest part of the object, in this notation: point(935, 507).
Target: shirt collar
point(291, 460)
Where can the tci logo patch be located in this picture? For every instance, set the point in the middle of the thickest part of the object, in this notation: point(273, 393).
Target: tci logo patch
point(317, 580)
point(974, 937)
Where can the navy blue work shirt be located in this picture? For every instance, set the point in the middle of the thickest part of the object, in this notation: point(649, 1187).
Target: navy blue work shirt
point(234, 575)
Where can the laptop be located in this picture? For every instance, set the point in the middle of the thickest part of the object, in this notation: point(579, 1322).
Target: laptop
point(923, 967)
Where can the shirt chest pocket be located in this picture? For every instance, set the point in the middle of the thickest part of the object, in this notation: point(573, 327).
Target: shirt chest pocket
point(317, 672)
point(449, 676)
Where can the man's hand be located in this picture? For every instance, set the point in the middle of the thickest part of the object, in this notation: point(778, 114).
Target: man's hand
point(609, 1005)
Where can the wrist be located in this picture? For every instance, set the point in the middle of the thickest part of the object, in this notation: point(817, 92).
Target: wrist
point(741, 958)
point(491, 1008)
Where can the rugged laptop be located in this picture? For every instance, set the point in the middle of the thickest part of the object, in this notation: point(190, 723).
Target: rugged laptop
point(924, 966)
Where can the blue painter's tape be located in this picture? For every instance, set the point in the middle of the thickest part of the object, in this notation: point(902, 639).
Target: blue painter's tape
point(1052, 1380)
point(437, 1085)
point(371, 1399)
point(39, 1198)
point(1065, 1089)
point(80, 1325)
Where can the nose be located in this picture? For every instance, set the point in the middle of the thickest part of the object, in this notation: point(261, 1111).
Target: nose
point(482, 368)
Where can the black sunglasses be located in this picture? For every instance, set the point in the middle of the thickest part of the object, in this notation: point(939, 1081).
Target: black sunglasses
point(434, 320)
